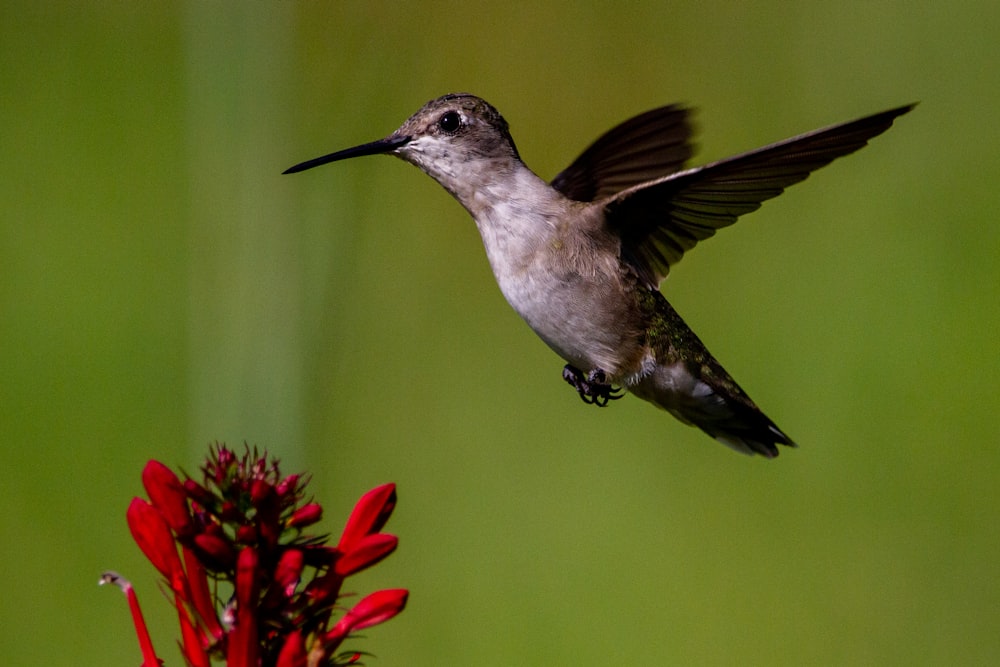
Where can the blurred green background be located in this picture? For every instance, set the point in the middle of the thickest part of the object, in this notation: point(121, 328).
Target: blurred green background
point(164, 286)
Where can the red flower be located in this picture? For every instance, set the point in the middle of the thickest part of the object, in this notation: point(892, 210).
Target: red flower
point(369, 515)
point(242, 525)
point(364, 553)
point(149, 658)
point(306, 515)
point(372, 610)
point(151, 533)
point(167, 493)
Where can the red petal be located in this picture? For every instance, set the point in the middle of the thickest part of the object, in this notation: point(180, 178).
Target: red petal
point(366, 552)
point(247, 580)
point(369, 515)
point(151, 533)
point(243, 638)
point(372, 610)
point(306, 516)
point(246, 535)
point(260, 492)
point(216, 552)
point(287, 485)
point(192, 639)
point(153, 536)
point(293, 653)
point(287, 574)
point(288, 571)
point(149, 658)
point(199, 494)
point(324, 588)
point(201, 596)
point(167, 494)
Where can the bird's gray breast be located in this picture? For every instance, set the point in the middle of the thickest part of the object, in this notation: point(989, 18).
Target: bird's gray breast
point(563, 284)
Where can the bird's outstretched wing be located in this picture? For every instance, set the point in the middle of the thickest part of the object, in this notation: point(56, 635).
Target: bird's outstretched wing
point(641, 149)
point(660, 220)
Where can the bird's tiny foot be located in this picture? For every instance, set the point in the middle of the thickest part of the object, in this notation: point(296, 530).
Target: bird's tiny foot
point(594, 388)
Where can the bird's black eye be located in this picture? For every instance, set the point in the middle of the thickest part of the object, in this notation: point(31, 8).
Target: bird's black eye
point(450, 122)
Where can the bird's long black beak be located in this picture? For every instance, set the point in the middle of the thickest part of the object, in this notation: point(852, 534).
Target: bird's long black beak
point(386, 145)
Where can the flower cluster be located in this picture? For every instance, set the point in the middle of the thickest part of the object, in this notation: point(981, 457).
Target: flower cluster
point(249, 584)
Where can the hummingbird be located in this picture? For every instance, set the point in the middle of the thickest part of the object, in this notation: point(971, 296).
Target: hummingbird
point(581, 258)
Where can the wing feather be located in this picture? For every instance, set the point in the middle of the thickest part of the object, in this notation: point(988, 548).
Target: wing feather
point(659, 221)
point(643, 148)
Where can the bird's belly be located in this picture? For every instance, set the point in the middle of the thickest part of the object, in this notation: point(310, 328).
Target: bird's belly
point(578, 318)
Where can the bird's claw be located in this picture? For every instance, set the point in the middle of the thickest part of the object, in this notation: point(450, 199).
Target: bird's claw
point(593, 388)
